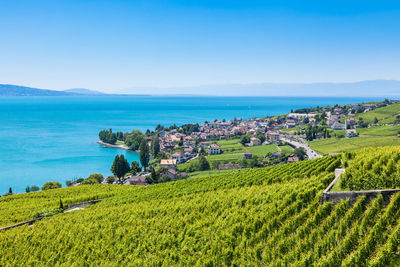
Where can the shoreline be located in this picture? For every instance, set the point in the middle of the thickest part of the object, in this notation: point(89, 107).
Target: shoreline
point(116, 146)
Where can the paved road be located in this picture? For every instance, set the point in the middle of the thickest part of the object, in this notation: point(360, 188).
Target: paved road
point(311, 154)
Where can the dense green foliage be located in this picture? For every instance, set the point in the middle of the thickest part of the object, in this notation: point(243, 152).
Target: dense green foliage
point(144, 154)
point(314, 132)
point(372, 168)
point(261, 217)
point(51, 185)
point(120, 166)
point(155, 146)
point(135, 167)
point(107, 136)
point(300, 152)
point(134, 139)
point(94, 178)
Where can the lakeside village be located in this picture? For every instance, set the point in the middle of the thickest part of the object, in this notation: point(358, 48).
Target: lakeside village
point(176, 152)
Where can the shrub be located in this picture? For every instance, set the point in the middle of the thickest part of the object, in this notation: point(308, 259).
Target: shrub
point(51, 185)
point(96, 176)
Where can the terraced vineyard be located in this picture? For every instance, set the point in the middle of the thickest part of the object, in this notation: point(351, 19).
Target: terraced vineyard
point(372, 168)
point(259, 217)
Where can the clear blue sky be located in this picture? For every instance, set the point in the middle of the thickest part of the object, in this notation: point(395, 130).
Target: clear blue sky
point(110, 45)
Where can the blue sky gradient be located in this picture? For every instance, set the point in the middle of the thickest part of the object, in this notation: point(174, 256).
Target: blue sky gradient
point(110, 45)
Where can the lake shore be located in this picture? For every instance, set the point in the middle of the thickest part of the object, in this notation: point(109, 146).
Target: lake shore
point(115, 146)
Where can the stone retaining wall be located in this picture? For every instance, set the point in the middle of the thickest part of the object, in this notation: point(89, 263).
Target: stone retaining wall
point(336, 197)
point(353, 195)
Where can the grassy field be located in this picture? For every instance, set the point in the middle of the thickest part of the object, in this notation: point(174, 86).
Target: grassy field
point(326, 146)
point(286, 149)
point(237, 153)
point(384, 115)
point(234, 150)
point(231, 146)
point(380, 130)
point(262, 150)
point(291, 130)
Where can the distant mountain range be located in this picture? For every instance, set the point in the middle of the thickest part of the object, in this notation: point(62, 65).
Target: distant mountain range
point(16, 90)
point(83, 91)
point(373, 88)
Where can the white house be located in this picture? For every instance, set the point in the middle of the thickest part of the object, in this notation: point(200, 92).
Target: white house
point(214, 149)
point(168, 163)
point(178, 156)
point(255, 141)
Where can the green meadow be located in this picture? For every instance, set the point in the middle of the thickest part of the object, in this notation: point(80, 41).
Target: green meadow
point(332, 145)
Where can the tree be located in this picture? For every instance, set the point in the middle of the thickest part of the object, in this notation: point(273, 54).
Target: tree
point(120, 167)
point(134, 139)
point(28, 189)
point(154, 175)
point(155, 146)
point(203, 163)
point(68, 183)
point(90, 181)
point(107, 136)
point(110, 179)
point(261, 136)
point(300, 152)
point(245, 139)
point(144, 154)
point(375, 120)
point(135, 168)
point(97, 176)
point(51, 185)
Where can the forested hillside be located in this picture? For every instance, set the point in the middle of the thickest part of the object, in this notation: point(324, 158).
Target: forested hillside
point(260, 217)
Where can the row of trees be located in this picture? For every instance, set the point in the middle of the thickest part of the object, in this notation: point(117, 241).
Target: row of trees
point(107, 136)
point(314, 132)
point(185, 128)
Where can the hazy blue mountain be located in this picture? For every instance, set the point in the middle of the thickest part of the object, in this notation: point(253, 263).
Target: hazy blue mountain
point(373, 88)
point(83, 91)
point(16, 90)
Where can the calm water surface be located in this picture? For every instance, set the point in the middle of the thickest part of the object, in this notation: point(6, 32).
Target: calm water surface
point(54, 138)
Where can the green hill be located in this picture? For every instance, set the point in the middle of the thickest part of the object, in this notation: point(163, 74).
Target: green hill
point(386, 114)
point(331, 145)
point(259, 217)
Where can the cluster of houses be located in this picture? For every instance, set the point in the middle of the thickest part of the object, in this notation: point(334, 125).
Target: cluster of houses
point(187, 146)
point(183, 147)
point(349, 111)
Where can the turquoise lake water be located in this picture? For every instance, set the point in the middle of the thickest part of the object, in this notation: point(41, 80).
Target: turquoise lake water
point(54, 138)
